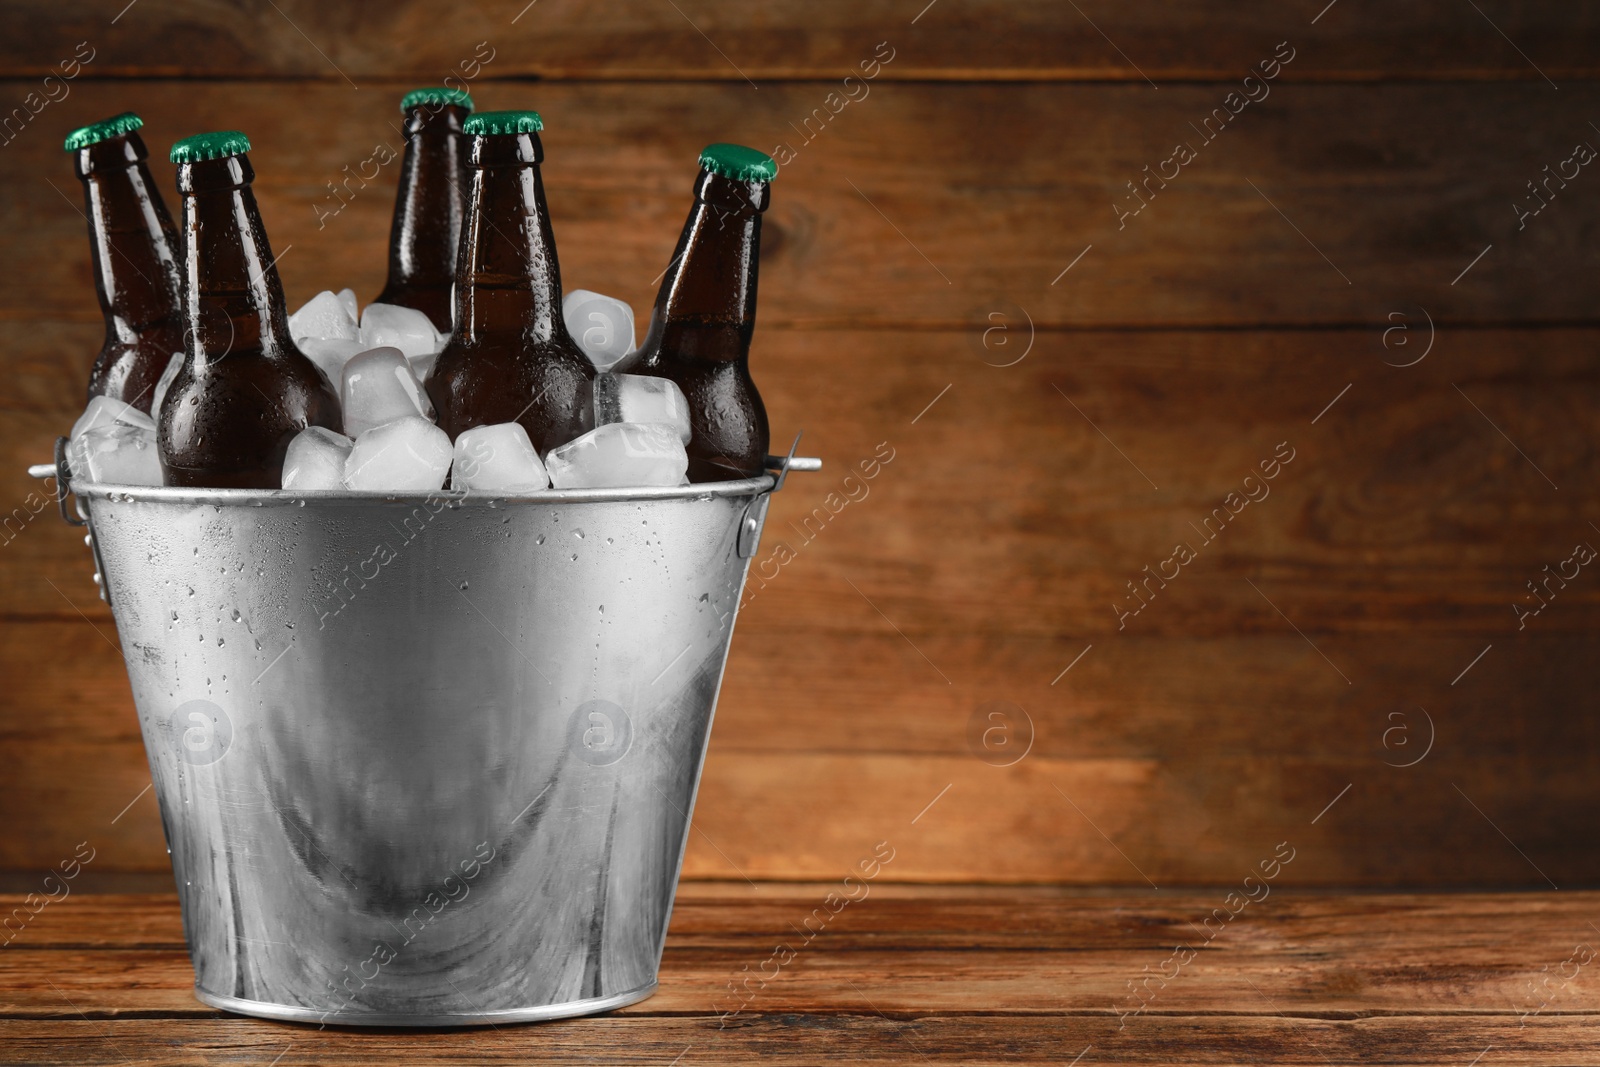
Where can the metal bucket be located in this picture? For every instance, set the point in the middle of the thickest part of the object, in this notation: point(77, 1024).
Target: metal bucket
point(425, 760)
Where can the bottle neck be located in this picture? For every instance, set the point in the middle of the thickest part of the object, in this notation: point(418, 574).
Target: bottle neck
point(233, 300)
point(131, 238)
point(706, 308)
point(425, 237)
point(509, 282)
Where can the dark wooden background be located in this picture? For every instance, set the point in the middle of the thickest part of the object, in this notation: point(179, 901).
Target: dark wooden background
point(1053, 430)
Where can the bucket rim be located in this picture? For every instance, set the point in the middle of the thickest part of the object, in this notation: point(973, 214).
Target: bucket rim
point(258, 498)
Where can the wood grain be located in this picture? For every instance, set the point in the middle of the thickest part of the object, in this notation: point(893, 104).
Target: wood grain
point(728, 41)
point(915, 974)
point(933, 205)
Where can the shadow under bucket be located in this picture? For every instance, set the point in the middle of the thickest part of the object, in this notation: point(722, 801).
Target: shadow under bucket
point(425, 760)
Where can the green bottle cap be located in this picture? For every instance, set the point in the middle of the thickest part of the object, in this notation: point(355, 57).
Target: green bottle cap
point(739, 163)
point(104, 130)
point(435, 97)
point(501, 122)
point(203, 146)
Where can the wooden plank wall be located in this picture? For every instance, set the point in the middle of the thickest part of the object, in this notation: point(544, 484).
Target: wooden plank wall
point(1070, 377)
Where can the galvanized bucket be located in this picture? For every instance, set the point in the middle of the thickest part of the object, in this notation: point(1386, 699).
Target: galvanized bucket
point(425, 760)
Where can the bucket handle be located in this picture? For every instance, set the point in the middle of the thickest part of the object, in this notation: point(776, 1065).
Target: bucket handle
point(755, 511)
point(61, 471)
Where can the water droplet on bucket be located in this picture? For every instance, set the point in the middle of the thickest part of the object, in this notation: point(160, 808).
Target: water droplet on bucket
point(464, 586)
point(236, 615)
point(578, 534)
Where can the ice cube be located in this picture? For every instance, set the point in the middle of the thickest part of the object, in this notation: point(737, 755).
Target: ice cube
point(406, 455)
point(316, 459)
point(498, 457)
point(325, 317)
point(378, 387)
point(104, 411)
point(330, 356)
point(619, 454)
point(347, 297)
point(422, 366)
point(393, 326)
point(116, 453)
point(602, 326)
point(174, 365)
point(640, 398)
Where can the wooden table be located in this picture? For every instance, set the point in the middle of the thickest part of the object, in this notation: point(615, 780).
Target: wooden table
point(967, 975)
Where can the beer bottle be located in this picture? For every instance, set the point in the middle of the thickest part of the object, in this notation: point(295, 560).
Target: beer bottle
point(244, 389)
point(134, 246)
point(511, 358)
point(426, 233)
point(706, 312)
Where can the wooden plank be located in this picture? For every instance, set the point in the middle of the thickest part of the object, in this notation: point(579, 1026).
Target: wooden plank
point(1366, 199)
point(1404, 506)
point(799, 1038)
point(1493, 928)
point(1156, 760)
point(929, 952)
point(718, 39)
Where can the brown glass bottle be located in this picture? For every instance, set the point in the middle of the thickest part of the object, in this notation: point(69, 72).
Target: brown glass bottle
point(134, 246)
point(244, 389)
point(705, 315)
point(511, 358)
point(425, 236)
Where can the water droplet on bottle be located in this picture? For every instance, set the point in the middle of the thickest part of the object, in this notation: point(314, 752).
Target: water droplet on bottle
point(602, 609)
point(574, 557)
point(236, 615)
point(464, 586)
point(578, 534)
point(539, 540)
point(221, 641)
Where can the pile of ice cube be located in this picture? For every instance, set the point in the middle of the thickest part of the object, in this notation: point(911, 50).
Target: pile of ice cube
point(378, 361)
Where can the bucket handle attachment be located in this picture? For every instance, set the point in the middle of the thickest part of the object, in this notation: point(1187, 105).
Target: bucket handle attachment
point(61, 471)
point(756, 510)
